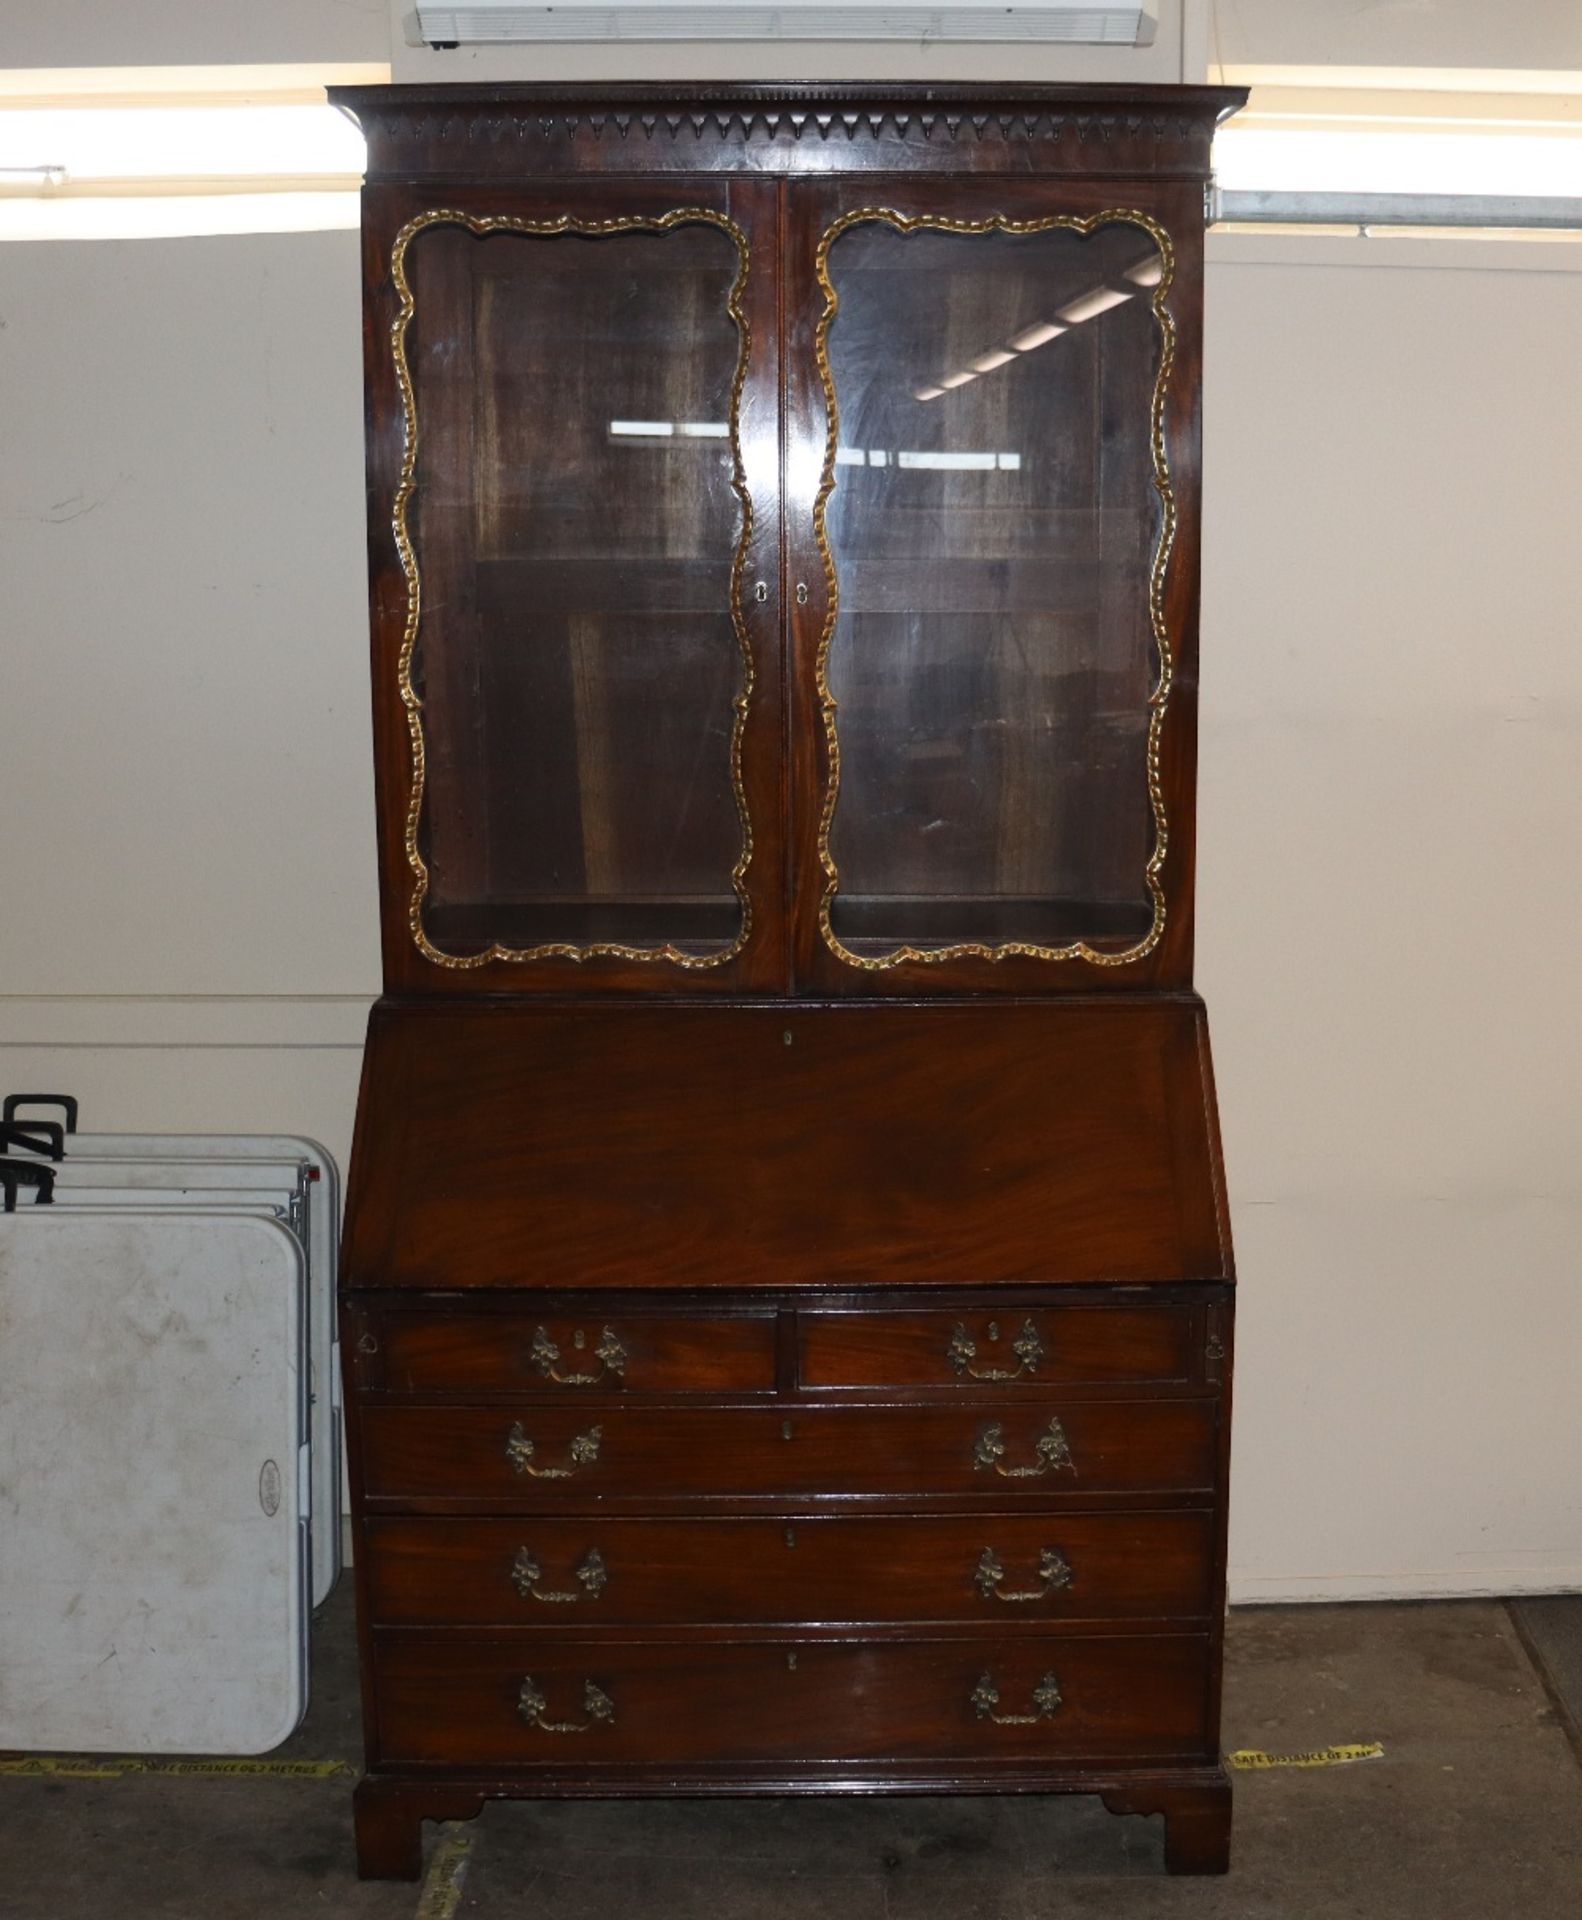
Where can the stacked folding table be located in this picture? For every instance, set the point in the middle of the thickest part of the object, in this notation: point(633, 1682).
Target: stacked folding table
point(170, 1440)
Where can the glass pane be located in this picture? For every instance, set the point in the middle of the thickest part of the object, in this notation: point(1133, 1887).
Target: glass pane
point(994, 525)
point(575, 520)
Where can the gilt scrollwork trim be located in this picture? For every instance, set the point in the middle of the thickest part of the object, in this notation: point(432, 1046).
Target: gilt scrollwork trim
point(406, 486)
point(1159, 699)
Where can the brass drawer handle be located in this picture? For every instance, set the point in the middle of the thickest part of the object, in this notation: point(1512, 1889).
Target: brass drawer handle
point(609, 1353)
point(596, 1704)
point(1054, 1572)
point(963, 1350)
point(1046, 1702)
point(591, 1573)
point(1053, 1452)
point(584, 1450)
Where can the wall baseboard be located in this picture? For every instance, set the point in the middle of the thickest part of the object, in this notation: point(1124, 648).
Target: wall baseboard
point(1484, 1583)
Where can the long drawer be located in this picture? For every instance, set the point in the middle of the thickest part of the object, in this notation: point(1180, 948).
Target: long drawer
point(615, 1572)
point(554, 1456)
point(522, 1700)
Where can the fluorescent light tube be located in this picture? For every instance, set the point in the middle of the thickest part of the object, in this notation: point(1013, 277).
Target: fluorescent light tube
point(1031, 337)
point(1088, 306)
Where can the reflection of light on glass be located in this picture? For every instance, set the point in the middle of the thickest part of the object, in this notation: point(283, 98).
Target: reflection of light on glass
point(1088, 306)
point(975, 462)
point(957, 379)
point(670, 429)
point(1147, 273)
point(959, 462)
point(987, 362)
point(928, 393)
point(1031, 337)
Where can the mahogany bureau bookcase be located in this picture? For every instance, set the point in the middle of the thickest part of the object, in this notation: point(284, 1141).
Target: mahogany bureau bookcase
point(787, 1285)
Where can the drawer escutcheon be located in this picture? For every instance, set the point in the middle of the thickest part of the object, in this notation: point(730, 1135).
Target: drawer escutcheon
point(591, 1573)
point(534, 1708)
point(1054, 1573)
point(1053, 1452)
point(1046, 1702)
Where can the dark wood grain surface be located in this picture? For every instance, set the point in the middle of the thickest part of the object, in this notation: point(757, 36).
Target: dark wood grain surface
point(526, 1144)
point(662, 1454)
point(454, 1699)
point(800, 1568)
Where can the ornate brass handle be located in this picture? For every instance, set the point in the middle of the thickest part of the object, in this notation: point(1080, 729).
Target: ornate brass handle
point(1054, 1572)
point(1046, 1702)
point(1052, 1451)
point(963, 1350)
point(533, 1708)
point(584, 1450)
point(609, 1353)
point(591, 1573)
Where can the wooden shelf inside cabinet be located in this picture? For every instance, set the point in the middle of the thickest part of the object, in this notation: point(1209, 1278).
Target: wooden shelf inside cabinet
point(786, 1245)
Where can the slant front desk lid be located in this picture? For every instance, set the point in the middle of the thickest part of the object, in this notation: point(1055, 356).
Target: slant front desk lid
point(786, 1146)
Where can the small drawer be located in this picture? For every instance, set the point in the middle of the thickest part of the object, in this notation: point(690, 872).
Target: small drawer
point(557, 1353)
point(1008, 1345)
point(544, 1457)
point(522, 1701)
point(605, 1572)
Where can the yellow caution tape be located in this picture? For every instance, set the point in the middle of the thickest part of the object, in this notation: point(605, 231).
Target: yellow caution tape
point(1250, 1759)
point(34, 1766)
point(447, 1872)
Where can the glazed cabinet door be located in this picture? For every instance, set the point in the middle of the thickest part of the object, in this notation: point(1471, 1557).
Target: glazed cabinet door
point(992, 477)
point(574, 485)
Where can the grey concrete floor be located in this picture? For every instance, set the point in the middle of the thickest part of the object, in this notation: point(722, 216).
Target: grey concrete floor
point(1474, 1809)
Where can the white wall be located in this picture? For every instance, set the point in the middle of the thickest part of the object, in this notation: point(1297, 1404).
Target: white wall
point(1389, 903)
point(1389, 906)
point(187, 855)
point(1396, 33)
